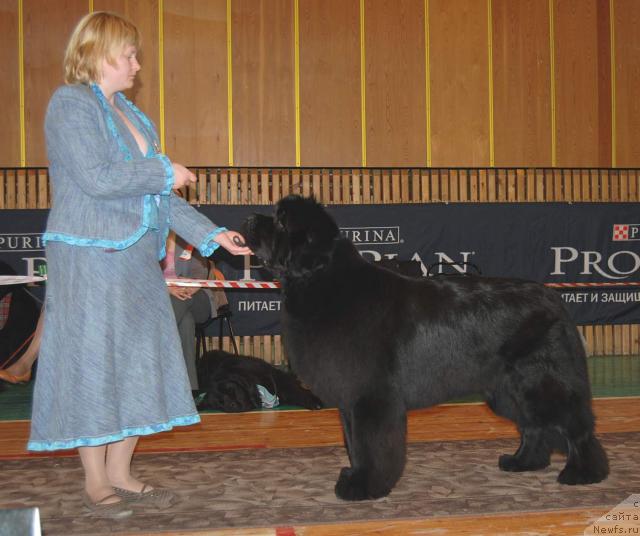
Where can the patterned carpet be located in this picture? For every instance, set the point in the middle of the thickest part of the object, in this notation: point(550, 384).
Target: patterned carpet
point(282, 487)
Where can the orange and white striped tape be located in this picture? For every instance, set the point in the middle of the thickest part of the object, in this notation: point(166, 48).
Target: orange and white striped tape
point(262, 285)
point(214, 283)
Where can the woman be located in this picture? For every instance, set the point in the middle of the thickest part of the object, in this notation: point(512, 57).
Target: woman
point(111, 366)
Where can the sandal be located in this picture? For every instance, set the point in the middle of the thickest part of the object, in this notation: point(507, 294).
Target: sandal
point(115, 510)
point(158, 497)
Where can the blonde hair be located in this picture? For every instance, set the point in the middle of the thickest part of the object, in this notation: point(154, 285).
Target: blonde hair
point(99, 35)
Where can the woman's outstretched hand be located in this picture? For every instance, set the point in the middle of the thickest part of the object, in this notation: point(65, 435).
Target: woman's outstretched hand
point(182, 176)
point(233, 242)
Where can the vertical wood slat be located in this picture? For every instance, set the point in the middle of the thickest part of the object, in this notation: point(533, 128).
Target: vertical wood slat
point(425, 191)
point(454, 185)
point(336, 190)
point(512, 192)
point(624, 185)
point(345, 179)
point(434, 185)
point(445, 185)
point(316, 183)
point(492, 186)
point(614, 185)
point(377, 187)
point(366, 187)
point(474, 185)
point(3, 186)
point(21, 189)
point(414, 187)
point(604, 185)
point(32, 188)
point(43, 188)
point(244, 187)
point(585, 183)
point(483, 185)
point(356, 195)
point(10, 189)
point(634, 185)
point(234, 198)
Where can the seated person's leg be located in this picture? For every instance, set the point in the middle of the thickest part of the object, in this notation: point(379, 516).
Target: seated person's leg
point(188, 313)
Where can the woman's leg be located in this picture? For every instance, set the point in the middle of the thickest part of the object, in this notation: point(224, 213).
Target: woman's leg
point(118, 467)
point(23, 365)
point(96, 482)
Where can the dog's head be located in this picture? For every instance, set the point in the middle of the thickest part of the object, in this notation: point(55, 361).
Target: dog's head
point(298, 238)
point(233, 393)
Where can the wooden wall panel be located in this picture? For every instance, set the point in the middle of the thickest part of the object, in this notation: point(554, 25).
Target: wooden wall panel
point(144, 14)
point(627, 54)
point(46, 32)
point(195, 81)
point(576, 82)
point(395, 83)
point(459, 83)
point(263, 82)
point(263, 64)
point(521, 84)
point(330, 125)
point(9, 85)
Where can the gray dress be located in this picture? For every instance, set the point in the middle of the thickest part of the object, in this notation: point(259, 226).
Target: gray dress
point(110, 364)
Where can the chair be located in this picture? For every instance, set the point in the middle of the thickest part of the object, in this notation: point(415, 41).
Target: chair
point(223, 315)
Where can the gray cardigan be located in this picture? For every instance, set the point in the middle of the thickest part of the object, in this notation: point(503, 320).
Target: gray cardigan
point(106, 193)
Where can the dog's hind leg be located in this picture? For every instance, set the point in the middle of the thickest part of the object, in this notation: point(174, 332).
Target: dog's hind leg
point(587, 461)
point(533, 454)
point(563, 405)
point(553, 413)
point(509, 401)
point(375, 434)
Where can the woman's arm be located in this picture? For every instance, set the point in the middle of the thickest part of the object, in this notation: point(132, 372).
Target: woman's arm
point(78, 143)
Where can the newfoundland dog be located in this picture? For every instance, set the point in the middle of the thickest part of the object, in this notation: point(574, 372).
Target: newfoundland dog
point(231, 383)
point(375, 344)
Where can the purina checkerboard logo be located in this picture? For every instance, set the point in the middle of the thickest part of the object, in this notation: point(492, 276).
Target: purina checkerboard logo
point(623, 232)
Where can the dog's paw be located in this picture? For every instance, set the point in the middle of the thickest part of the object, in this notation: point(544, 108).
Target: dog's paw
point(509, 462)
point(351, 485)
point(354, 486)
point(572, 476)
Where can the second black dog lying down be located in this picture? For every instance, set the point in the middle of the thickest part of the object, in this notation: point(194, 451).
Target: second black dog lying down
point(231, 381)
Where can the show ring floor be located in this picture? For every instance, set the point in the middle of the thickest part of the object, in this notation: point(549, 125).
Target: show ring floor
point(273, 473)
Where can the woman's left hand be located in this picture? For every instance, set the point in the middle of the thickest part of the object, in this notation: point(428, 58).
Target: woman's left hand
point(233, 242)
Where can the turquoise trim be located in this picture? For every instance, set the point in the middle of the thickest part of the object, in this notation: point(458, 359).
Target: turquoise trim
point(112, 438)
point(149, 221)
point(208, 246)
point(94, 242)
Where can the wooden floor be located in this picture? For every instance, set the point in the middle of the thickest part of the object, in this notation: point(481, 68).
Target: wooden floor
point(298, 428)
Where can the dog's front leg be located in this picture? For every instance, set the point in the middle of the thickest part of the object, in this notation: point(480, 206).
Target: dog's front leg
point(346, 432)
point(375, 437)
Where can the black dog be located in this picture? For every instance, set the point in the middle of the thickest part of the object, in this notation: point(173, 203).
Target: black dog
point(376, 344)
point(231, 381)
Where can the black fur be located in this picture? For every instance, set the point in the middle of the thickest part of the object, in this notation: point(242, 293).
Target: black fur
point(230, 383)
point(375, 344)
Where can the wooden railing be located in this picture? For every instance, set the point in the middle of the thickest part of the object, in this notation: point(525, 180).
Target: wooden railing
point(29, 188)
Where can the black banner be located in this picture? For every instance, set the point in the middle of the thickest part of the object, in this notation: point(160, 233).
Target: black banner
point(547, 242)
